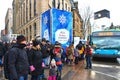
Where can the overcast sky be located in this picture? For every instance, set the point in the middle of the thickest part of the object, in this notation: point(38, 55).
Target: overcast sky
point(4, 5)
point(96, 5)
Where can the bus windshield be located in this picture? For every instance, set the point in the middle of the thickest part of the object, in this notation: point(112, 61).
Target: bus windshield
point(106, 42)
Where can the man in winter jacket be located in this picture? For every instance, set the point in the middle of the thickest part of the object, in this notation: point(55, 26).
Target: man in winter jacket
point(44, 50)
point(18, 66)
point(2, 51)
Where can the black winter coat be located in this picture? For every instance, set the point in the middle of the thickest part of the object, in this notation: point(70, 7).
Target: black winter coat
point(35, 59)
point(2, 49)
point(79, 46)
point(44, 50)
point(18, 64)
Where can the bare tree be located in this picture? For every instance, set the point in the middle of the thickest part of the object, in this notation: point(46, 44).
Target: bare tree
point(86, 15)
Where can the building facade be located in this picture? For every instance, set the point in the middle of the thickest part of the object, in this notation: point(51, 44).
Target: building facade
point(101, 20)
point(8, 21)
point(27, 15)
point(77, 22)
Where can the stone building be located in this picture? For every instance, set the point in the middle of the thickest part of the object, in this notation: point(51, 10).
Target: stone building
point(77, 22)
point(27, 15)
point(8, 21)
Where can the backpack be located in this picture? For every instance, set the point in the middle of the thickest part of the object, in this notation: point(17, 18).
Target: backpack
point(89, 50)
point(5, 63)
point(79, 46)
point(81, 50)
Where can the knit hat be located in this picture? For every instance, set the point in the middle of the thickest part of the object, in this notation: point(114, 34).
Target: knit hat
point(20, 38)
point(35, 42)
point(43, 39)
point(57, 44)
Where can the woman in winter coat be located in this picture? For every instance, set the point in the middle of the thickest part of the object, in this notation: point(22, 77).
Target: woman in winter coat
point(35, 60)
point(88, 55)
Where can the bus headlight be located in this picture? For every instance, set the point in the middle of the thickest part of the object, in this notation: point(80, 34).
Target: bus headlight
point(119, 52)
point(93, 51)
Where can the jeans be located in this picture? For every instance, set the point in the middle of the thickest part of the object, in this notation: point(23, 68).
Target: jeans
point(88, 61)
point(59, 72)
point(25, 77)
point(37, 77)
point(76, 60)
point(82, 55)
point(46, 60)
point(1, 61)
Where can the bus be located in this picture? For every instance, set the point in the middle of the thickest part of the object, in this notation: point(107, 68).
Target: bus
point(106, 44)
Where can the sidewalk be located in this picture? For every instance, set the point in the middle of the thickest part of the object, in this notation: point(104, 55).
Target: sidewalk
point(67, 72)
point(70, 71)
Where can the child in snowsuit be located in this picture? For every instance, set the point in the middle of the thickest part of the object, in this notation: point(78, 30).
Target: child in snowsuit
point(53, 70)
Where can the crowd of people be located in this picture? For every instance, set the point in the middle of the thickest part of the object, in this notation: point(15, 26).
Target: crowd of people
point(21, 59)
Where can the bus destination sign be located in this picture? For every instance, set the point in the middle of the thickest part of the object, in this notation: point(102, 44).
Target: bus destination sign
point(106, 33)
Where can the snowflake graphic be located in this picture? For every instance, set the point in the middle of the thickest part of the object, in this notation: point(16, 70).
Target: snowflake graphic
point(62, 19)
point(45, 20)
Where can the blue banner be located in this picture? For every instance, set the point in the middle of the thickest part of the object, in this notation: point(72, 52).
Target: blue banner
point(46, 25)
point(62, 24)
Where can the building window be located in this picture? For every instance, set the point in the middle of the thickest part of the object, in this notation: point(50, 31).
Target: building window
point(34, 29)
point(26, 10)
point(27, 34)
point(53, 3)
point(23, 31)
point(30, 8)
point(23, 13)
point(20, 16)
point(58, 4)
point(62, 4)
point(30, 32)
point(66, 6)
point(34, 7)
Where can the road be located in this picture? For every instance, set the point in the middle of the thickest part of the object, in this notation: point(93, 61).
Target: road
point(105, 69)
point(108, 67)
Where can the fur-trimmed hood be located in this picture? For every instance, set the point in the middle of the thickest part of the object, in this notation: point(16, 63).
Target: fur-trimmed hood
point(35, 48)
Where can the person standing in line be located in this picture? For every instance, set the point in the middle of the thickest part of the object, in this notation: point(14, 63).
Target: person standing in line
point(58, 51)
point(88, 55)
point(44, 50)
point(2, 52)
point(80, 48)
point(12, 44)
point(48, 44)
point(35, 60)
point(18, 65)
point(70, 54)
point(76, 54)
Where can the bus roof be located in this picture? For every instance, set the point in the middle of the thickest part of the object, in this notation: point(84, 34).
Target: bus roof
point(106, 33)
